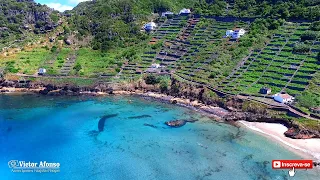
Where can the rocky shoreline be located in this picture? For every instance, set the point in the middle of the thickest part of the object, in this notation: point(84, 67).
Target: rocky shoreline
point(224, 109)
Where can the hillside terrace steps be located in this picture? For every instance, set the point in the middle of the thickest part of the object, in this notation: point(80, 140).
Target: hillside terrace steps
point(69, 63)
point(297, 69)
point(272, 68)
point(280, 49)
point(186, 31)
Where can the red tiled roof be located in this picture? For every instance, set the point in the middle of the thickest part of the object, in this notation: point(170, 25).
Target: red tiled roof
point(285, 96)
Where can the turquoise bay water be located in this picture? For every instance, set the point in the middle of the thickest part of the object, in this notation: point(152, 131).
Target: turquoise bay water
point(65, 130)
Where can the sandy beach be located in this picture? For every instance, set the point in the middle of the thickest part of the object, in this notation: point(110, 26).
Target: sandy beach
point(307, 148)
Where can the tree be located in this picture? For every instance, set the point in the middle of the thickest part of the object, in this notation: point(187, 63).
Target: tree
point(151, 79)
point(318, 57)
point(212, 75)
point(308, 100)
point(77, 67)
point(160, 6)
point(163, 85)
point(66, 30)
point(54, 49)
point(315, 26)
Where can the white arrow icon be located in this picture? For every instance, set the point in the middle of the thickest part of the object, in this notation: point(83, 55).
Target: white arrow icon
point(292, 172)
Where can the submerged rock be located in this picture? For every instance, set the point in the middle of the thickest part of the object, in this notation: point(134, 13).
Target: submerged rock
point(150, 125)
point(179, 123)
point(139, 117)
point(102, 121)
point(176, 123)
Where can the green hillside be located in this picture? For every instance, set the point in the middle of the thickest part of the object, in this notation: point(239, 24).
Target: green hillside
point(21, 20)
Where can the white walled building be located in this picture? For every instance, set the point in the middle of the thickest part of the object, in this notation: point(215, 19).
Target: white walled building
point(150, 26)
point(236, 33)
point(283, 98)
point(185, 11)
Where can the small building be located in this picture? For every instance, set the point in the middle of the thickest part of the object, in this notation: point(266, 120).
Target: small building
point(283, 98)
point(185, 11)
point(150, 26)
point(229, 33)
point(265, 90)
point(155, 66)
point(315, 110)
point(42, 71)
point(236, 33)
point(167, 13)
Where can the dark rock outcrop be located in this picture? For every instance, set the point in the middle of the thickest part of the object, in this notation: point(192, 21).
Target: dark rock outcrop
point(30, 12)
point(68, 41)
point(298, 133)
point(176, 123)
point(179, 123)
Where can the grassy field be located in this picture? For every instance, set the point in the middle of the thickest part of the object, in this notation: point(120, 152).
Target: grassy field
point(27, 61)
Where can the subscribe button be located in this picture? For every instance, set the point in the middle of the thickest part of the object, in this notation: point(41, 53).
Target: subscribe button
point(289, 164)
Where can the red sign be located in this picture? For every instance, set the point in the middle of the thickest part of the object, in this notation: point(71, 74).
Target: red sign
point(289, 164)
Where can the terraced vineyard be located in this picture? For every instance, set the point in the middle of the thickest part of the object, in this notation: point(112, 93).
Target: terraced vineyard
point(199, 53)
point(202, 58)
point(276, 66)
point(167, 31)
point(186, 51)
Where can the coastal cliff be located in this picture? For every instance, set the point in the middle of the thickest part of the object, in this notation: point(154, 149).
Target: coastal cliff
point(200, 97)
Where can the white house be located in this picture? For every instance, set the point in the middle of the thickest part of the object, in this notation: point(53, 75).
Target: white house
point(185, 11)
point(236, 33)
point(283, 98)
point(229, 33)
point(155, 66)
point(167, 13)
point(150, 26)
point(42, 71)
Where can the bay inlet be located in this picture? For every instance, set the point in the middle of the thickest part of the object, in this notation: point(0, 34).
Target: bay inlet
point(126, 138)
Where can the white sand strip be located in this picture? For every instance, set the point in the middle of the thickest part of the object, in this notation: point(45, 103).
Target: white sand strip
point(308, 148)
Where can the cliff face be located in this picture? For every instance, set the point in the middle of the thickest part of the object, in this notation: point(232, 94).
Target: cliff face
point(17, 15)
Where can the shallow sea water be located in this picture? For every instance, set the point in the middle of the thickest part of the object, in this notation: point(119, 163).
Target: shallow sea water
point(134, 143)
